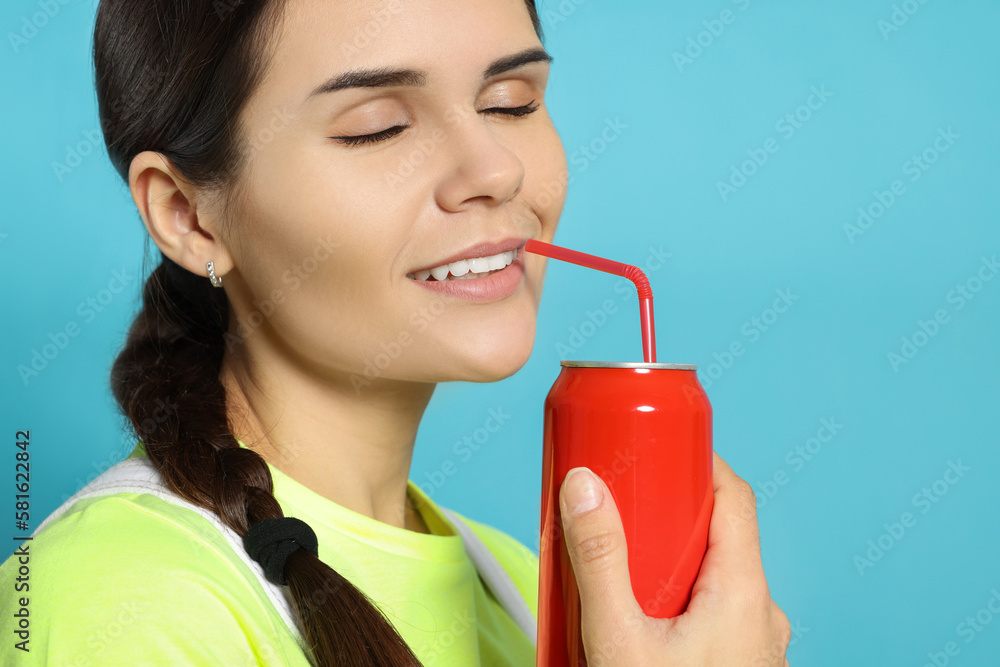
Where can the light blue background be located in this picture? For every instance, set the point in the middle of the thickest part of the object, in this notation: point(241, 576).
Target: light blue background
point(655, 186)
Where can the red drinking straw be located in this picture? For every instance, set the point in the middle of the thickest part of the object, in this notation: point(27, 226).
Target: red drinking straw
point(633, 273)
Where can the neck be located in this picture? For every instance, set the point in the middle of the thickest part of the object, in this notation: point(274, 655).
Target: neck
point(354, 448)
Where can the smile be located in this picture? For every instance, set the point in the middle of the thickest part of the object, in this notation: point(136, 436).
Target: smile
point(466, 269)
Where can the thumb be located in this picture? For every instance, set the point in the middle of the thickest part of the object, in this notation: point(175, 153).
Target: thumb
point(595, 541)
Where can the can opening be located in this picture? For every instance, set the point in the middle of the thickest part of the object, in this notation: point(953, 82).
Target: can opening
point(629, 364)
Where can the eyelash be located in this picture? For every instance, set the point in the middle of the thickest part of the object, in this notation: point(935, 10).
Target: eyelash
point(516, 112)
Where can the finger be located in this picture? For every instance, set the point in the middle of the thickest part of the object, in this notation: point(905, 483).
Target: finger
point(595, 540)
point(736, 507)
point(733, 537)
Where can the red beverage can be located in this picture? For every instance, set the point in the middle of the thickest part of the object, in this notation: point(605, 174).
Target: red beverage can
point(646, 430)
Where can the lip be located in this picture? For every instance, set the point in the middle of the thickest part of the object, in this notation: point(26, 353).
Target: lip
point(493, 287)
point(479, 250)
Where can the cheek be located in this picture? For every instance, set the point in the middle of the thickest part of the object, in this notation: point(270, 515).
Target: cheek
point(322, 253)
point(313, 186)
point(333, 228)
point(546, 177)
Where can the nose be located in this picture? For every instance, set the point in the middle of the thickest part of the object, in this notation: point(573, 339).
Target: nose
point(480, 168)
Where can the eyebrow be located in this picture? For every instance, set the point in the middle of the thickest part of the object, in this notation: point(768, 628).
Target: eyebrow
point(384, 77)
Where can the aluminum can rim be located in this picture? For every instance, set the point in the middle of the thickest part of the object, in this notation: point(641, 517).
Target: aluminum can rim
point(629, 364)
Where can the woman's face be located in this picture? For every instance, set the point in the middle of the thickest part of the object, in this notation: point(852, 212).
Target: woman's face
point(455, 152)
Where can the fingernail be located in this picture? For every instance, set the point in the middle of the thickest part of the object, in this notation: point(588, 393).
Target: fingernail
point(583, 491)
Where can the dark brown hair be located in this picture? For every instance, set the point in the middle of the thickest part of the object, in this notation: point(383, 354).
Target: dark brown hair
point(173, 76)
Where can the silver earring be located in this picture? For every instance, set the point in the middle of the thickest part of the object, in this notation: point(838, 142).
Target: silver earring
point(216, 280)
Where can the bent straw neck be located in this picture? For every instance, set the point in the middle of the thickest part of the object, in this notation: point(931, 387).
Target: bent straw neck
point(629, 271)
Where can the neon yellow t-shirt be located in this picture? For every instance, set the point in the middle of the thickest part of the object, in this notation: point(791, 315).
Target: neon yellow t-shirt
point(131, 579)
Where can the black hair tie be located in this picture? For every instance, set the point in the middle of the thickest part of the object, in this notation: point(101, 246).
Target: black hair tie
point(271, 541)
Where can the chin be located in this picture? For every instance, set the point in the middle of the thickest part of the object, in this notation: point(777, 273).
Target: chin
point(490, 358)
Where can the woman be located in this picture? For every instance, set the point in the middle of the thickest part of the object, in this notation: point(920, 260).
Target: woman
point(329, 182)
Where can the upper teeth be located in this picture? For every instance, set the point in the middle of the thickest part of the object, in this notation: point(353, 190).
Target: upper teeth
point(470, 267)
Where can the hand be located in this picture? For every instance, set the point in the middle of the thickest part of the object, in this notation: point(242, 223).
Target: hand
point(731, 620)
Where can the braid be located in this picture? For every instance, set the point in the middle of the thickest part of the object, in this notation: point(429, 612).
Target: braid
point(174, 352)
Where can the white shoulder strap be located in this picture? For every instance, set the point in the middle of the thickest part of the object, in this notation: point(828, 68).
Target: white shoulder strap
point(496, 578)
point(137, 475)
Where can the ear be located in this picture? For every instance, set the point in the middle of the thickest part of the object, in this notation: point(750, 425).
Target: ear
point(169, 206)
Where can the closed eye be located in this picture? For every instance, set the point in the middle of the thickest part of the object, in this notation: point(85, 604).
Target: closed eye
point(371, 138)
point(375, 137)
point(530, 107)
